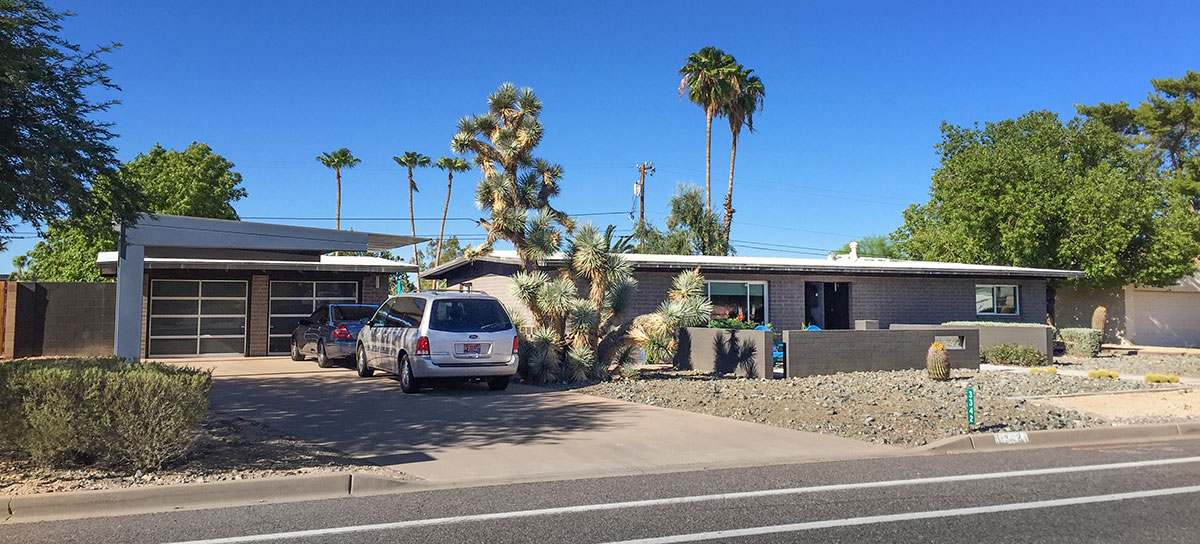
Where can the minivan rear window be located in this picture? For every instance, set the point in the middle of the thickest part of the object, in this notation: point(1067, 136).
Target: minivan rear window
point(468, 315)
point(352, 313)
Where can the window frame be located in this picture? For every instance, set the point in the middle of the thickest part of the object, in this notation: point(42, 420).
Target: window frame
point(766, 295)
point(995, 299)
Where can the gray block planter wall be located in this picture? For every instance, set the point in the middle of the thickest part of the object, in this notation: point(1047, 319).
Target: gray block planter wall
point(1041, 338)
point(740, 352)
point(813, 353)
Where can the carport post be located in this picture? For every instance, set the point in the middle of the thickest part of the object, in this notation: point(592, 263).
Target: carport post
point(127, 340)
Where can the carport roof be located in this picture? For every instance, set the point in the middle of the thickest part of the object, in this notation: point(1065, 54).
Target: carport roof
point(107, 261)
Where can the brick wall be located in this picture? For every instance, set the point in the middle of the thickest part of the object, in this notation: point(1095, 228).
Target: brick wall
point(258, 328)
point(9, 323)
point(375, 288)
point(812, 353)
point(67, 319)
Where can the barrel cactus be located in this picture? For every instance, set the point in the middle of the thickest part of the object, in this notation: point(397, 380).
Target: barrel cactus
point(937, 362)
point(1099, 318)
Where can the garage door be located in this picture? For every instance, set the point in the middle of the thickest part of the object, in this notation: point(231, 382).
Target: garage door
point(197, 317)
point(1166, 319)
point(292, 301)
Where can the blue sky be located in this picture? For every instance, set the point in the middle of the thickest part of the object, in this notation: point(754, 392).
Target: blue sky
point(855, 96)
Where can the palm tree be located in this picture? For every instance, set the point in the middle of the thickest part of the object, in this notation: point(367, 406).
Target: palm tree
point(740, 110)
point(709, 78)
point(412, 160)
point(450, 165)
point(336, 161)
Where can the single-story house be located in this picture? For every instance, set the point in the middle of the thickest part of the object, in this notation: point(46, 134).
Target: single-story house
point(1140, 316)
point(791, 293)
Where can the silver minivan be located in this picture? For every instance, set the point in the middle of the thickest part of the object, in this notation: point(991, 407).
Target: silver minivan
point(433, 334)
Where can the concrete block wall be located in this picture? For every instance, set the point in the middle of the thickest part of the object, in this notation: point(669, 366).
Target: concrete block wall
point(375, 289)
point(745, 353)
point(8, 325)
point(1041, 338)
point(257, 326)
point(67, 319)
point(813, 353)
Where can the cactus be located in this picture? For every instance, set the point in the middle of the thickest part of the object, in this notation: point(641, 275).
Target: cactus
point(1051, 370)
point(1171, 378)
point(1099, 318)
point(937, 362)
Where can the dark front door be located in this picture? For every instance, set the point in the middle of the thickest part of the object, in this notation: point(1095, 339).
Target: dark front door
point(827, 304)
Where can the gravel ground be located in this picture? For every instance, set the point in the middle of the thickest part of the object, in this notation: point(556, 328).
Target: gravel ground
point(229, 448)
point(1139, 365)
point(902, 407)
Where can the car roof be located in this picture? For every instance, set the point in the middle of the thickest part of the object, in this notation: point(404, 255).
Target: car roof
point(445, 295)
point(352, 304)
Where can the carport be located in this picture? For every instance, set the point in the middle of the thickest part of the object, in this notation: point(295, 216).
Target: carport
point(227, 275)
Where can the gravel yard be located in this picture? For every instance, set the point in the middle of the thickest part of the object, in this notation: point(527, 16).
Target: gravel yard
point(1139, 365)
point(903, 408)
point(229, 448)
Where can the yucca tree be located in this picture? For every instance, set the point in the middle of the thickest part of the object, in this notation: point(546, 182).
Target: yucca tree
point(412, 160)
point(686, 306)
point(709, 79)
point(517, 187)
point(337, 161)
point(739, 109)
point(450, 165)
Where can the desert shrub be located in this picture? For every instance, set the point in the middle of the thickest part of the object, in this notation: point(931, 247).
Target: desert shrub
point(1081, 342)
point(103, 410)
point(733, 323)
point(1013, 354)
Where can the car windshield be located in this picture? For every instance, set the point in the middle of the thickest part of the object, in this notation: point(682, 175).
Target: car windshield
point(468, 315)
point(352, 313)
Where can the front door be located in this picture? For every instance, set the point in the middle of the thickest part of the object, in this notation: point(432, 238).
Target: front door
point(827, 304)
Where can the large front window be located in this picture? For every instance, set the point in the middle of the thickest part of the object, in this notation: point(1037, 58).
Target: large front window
point(996, 300)
point(733, 299)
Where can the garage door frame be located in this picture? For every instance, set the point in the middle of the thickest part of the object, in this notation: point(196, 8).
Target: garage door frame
point(199, 315)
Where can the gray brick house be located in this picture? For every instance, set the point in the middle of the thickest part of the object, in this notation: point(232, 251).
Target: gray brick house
point(791, 293)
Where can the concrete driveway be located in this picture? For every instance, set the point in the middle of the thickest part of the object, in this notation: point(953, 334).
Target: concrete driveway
point(470, 434)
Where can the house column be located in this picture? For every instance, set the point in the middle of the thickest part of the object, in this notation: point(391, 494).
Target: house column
point(127, 341)
point(258, 327)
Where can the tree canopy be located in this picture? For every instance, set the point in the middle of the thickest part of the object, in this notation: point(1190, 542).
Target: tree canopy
point(1037, 192)
point(193, 182)
point(53, 146)
point(875, 245)
point(691, 229)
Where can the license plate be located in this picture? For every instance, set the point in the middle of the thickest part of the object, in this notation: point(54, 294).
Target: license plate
point(472, 349)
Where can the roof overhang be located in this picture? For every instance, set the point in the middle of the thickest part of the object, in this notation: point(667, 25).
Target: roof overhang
point(107, 261)
point(161, 230)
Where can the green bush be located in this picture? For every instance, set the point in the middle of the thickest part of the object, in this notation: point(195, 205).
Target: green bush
point(1013, 354)
point(1081, 342)
point(103, 410)
point(732, 323)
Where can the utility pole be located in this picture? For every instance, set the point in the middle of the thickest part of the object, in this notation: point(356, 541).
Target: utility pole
point(640, 189)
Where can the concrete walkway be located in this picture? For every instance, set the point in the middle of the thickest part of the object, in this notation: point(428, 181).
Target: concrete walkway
point(1080, 373)
point(467, 433)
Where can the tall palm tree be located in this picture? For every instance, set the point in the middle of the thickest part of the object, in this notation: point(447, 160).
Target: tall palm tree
point(338, 160)
point(450, 165)
point(412, 160)
point(740, 110)
point(709, 78)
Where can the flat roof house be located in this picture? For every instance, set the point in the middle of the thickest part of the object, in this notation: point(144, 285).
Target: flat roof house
point(791, 293)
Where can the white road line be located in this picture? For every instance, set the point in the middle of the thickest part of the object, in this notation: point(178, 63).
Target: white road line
point(687, 500)
point(867, 520)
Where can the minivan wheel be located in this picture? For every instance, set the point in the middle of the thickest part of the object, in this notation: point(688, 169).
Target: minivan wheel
point(364, 371)
point(408, 382)
point(498, 383)
point(296, 355)
point(323, 359)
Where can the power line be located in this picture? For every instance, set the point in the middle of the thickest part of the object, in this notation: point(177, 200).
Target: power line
point(473, 220)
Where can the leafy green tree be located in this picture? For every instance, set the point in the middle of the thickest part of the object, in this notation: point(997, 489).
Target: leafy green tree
point(337, 161)
point(691, 230)
point(710, 78)
point(193, 182)
point(53, 145)
point(450, 165)
point(411, 160)
point(1166, 125)
point(875, 245)
point(1036, 192)
point(739, 109)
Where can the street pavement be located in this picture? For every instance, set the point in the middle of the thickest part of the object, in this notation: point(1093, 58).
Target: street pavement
point(467, 433)
point(1147, 492)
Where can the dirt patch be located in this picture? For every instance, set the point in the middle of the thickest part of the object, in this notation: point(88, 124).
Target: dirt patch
point(228, 448)
point(1136, 408)
point(1137, 365)
point(902, 407)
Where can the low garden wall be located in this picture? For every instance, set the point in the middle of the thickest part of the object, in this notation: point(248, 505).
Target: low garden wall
point(1040, 337)
point(812, 353)
point(740, 352)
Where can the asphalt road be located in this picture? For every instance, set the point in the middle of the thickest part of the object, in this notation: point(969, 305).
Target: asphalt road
point(1147, 492)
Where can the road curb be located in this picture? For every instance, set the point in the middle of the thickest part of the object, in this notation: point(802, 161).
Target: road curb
point(983, 442)
point(166, 498)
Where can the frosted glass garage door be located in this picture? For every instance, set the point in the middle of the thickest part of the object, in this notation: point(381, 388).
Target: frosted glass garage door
point(292, 301)
point(197, 317)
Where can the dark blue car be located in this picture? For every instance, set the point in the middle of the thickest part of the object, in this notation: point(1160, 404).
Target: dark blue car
point(330, 332)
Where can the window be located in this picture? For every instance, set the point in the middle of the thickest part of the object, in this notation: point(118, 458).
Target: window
point(190, 317)
point(733, 298)
point(405, 312)
point(468, 315)
point(351, 313)
point(292, 301)
point(996, 300)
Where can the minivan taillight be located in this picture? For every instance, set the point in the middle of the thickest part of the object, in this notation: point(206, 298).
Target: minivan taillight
point(516, 343)
point(423, 346)
point(342, 332)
